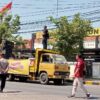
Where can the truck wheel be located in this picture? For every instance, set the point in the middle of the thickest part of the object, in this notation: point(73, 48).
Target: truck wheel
point(44, 78)
point(10, 78)
point(58, 81)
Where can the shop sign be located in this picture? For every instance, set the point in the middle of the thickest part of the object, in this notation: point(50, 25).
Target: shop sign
point(89, 44)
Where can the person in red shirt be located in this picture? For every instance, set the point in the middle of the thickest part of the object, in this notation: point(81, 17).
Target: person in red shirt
point(78, 76)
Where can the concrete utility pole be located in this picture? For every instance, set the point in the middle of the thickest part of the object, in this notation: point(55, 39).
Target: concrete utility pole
point(33, 39)
point(57, 7)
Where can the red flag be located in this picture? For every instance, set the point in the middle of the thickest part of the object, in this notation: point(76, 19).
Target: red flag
point(6, 8)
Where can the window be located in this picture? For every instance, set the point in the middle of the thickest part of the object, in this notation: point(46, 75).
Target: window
point(59, 58)
point(46, 58)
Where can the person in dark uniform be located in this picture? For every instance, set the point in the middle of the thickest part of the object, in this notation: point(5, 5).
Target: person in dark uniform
point(3, 71)
point(89, 68)
point(45, 37)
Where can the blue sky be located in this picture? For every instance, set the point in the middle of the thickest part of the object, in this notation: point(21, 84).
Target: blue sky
point(39, 10)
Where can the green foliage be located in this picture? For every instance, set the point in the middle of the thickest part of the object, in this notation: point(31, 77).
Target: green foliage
point(69, 35)
point(9, 25)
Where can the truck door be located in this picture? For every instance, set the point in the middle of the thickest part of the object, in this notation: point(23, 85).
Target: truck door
point(46, 64)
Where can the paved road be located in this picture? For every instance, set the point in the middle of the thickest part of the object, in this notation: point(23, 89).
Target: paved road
point(35, 91)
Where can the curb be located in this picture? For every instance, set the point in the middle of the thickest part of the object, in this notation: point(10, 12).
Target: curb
point(92, 82)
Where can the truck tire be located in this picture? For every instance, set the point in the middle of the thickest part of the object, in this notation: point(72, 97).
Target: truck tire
point(58, 82)
point(43, 78)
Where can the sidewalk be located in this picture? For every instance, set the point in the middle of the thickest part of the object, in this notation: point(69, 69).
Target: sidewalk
point(92, 81)
point(89, 81)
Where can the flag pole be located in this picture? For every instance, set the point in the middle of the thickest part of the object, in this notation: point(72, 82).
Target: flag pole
point(12, 5)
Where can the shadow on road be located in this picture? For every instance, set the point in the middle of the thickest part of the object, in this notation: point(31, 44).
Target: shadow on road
point(11, 91)
point(95, 98)
point(67, 83)
point(91, 98)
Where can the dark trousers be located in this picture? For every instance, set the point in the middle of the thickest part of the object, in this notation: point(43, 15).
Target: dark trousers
point(3, 81)
point(44, 42)
point(89, 71)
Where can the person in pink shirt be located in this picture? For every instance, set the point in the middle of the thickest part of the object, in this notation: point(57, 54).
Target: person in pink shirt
point(78, 76)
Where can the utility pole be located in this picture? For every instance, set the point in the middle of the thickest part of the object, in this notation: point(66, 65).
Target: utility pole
point(57, 7)
point(33, 40)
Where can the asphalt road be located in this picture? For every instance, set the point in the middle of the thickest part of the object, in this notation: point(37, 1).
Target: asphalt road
point(36, 91)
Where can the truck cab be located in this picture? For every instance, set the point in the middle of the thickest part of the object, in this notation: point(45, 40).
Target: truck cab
point(53, 67)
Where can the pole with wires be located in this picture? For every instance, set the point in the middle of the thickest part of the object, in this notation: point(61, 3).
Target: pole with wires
point(12, 5)
point(57, 7)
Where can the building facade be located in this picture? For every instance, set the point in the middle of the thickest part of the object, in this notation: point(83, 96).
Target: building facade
point(91, 53)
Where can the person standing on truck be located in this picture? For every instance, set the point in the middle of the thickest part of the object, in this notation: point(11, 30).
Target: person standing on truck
point(45, 37)
point(78, 76)
point(3, 71)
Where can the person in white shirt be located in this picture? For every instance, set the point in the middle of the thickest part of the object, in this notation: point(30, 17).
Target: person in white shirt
point(3, 71)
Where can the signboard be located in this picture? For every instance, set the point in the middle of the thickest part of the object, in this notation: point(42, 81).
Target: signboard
point(94, 32)
point(89, 44)
point(40, 45)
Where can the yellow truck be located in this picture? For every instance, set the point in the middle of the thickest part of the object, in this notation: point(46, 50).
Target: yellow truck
point(45, 66)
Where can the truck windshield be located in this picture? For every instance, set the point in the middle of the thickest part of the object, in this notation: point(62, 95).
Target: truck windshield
point(59, 59)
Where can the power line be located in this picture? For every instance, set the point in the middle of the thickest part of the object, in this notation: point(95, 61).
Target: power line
point(33, 31)
point(54, 11)
point(94, 19)
point(63, 9)
point(36, 24)
point(82, 14)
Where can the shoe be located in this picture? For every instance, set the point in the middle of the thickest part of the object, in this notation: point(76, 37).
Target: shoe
point(1, 91)
point(71, 96)
point(88, 95)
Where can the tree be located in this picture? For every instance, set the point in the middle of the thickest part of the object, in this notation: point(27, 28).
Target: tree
point(19, 42)
point(69, 35)
point(9, 25)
